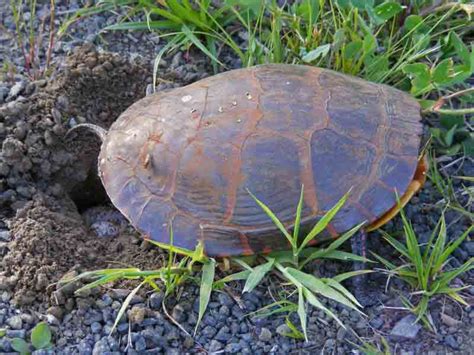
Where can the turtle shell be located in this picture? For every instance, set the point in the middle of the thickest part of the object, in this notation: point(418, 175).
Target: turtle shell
point(187, 158)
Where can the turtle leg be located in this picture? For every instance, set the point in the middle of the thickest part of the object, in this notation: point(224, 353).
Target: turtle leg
point(361, 290)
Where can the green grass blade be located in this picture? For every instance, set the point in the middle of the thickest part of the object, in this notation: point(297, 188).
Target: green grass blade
point(257, 274)
point(302, 312)
point(450, 249)
point(327, 252)
point(274, 218)
point(207, 280)
point(175, 42)
point(343, 238)
point(283, 306)
point(243, 264)
point(167, 14)
point(315, 303)
point(190, 35)
point(347, 275)
point(143, 25)
point(295, 333)
point(414, 251)
point(344, 291)
point(242, 275)
point(296, 229)
point(437, 249)
point(102, 281)
point(124, 307)
point(385, 262)
point(396, 245)
point(323, 222)
point(448, 276)
point(316, 285)
point(345, 256)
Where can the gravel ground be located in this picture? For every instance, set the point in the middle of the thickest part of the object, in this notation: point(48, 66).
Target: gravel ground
point(51, 227)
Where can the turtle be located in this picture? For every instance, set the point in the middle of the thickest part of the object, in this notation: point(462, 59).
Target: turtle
point(186, 159)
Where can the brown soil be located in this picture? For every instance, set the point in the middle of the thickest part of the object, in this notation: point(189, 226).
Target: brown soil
point(51, 240)
point(50, 237)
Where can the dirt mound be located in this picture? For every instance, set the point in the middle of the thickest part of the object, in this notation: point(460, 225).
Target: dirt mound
point(89, 87)
point(50, 239)
point(47, 181)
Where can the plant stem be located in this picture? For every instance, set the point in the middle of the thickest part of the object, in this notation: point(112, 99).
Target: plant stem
point(462, 111)
point(51, 35)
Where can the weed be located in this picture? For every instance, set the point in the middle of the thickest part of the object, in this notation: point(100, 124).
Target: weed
point(174, 273)
point(425, 268)
point(31, 45)
point(289, 266)
point(451, 196)
point(380, 347)
point(40, 339)
point(454, 133)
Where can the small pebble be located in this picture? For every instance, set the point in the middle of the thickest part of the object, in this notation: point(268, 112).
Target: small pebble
point(265, 335)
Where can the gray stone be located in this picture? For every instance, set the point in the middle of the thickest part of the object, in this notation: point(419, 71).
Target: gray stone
point(377, 322)
point(52, 320)
point(5, 297)
point(136, 314)
point(209, 331)
point(5, 236)
point(5, 345)
point(15, 90)
point(101, 347)
point(224, 310)
point(329, 345)
point(122, 328)
point(178, 313)
point(96, 327)
point(451, 341)
point(225, 300)
point(188, 342)
point(469, 247)
point(3, 93)
point(56, 311)
point(223, 334)
point(215, 346)
point(172, 334)
point(16, 333)
point(233, 348)
point(283, 329)
point(15, 322)
point(156, 300)
point(140, 344)
point(265, 335)
point(406, 327)
point(341, 334)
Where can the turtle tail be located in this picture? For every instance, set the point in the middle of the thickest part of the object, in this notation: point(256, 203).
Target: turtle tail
point(99, 131)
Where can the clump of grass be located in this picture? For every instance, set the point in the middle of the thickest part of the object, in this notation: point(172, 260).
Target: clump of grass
point(425, 267)
point(377, 346)
point(178, 269)
point(30, 38)
point(289, 267)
